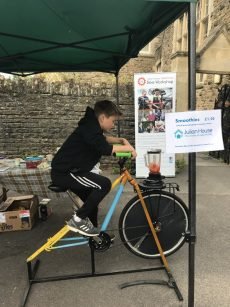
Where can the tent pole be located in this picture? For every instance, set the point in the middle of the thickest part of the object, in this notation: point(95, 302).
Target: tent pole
point(192, 156)
point(118, 102)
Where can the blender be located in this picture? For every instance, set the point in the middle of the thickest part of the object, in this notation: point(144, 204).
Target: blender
point(153, 162)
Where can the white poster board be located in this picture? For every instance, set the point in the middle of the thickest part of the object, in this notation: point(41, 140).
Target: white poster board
point(194, 131)
point(155, 96)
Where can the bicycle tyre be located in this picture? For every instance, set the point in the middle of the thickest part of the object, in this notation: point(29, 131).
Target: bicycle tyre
point(169, 215)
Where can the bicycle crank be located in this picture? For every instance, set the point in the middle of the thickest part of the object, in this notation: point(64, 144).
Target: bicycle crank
point(100, 243)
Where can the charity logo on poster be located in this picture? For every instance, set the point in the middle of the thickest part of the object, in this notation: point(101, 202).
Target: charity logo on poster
point(154, 97)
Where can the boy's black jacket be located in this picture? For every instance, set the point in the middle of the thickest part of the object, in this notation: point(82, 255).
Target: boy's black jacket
point(83, 148)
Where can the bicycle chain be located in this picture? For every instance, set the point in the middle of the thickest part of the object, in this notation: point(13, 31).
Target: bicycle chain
point(123, 242)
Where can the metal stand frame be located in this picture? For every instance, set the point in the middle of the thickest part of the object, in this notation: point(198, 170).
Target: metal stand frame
point(32, 279)
point(171, 283)
point(191, 235)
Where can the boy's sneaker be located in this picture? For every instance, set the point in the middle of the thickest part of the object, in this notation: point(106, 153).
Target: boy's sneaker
point(84, 227)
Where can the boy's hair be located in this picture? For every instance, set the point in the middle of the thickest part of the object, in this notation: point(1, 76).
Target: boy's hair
point(106, 107)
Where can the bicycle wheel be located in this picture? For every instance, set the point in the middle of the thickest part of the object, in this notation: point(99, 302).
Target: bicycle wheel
point(169, 216)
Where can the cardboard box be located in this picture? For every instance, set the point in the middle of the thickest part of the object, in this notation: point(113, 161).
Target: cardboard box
point(18, 213)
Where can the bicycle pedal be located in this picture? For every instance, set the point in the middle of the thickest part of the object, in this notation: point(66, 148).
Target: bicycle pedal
point(97, 239)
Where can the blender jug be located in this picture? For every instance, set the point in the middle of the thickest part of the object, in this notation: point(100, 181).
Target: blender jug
point(153, 161)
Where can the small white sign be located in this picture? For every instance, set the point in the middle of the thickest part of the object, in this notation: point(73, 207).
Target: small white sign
point(2, 218)
point(193, 131)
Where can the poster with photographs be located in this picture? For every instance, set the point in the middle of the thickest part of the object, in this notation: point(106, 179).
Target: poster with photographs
point(155, 95)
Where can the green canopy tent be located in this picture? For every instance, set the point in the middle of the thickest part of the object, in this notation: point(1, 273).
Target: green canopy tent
point(83, 35)
point(93, 35)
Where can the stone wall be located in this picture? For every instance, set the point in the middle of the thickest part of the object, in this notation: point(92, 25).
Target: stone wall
point(38, 113)
point(36, 116)
point(167, 46)
point(220, 14)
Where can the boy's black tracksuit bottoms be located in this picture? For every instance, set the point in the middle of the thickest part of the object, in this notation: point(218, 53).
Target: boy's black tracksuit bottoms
point(90, 187)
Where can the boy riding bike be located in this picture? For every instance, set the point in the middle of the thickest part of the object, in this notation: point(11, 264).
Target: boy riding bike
point(73, 163)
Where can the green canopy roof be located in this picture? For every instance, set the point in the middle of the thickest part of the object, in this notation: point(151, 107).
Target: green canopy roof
point(78, 35)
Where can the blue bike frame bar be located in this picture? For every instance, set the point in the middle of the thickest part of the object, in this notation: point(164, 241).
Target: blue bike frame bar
point(81, 241)
point(112, 207)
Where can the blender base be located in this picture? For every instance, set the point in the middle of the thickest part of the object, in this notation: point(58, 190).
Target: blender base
point(153, 182)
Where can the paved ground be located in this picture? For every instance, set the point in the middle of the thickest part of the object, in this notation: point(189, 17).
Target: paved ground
point(211, 262)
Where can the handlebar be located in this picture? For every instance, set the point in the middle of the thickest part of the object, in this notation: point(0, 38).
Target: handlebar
point(123, 157)
point(122, 154)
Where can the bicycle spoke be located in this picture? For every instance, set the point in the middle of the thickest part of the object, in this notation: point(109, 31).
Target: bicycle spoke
point(139, 242)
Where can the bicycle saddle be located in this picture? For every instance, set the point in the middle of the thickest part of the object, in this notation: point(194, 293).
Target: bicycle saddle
point(57, 189)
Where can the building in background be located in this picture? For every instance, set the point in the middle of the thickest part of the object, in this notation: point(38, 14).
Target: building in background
point(169, 52)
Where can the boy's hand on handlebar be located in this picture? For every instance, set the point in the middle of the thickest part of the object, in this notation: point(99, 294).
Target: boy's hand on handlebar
point(132, 150)
point(134, 153)
point(124, 148)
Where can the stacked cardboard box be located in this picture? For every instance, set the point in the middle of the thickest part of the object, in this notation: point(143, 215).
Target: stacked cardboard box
point(18, 213)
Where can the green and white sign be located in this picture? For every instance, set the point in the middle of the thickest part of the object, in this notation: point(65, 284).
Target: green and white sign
point(193, 131)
